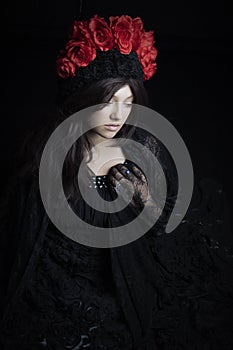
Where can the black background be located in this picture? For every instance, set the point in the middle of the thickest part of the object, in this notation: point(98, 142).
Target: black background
point(192, 87)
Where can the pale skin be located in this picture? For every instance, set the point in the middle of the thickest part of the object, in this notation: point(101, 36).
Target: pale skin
point(113, 115)
point(109, 160)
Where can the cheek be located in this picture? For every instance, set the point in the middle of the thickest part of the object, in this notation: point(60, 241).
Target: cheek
point(126, 113)
point(98, 118)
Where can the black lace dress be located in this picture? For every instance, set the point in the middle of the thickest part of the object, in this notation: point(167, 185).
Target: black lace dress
point(68, 299)
point(161, 292)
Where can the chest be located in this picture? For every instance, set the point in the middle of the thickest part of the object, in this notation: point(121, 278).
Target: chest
point(103, 160)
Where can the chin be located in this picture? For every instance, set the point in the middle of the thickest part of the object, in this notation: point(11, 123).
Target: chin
point(109, 135)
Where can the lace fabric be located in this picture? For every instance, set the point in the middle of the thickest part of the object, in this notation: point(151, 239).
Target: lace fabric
point(68, 300)
point(77, 297)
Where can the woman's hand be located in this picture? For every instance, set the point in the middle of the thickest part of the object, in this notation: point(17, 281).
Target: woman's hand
point(130, 183)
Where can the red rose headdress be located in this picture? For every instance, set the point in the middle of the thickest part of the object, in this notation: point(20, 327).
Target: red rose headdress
point(97, 50)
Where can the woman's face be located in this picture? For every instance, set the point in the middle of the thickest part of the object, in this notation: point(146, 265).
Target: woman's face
point(112, 115)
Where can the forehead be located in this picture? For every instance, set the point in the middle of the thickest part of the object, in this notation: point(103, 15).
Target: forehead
point(123, 93)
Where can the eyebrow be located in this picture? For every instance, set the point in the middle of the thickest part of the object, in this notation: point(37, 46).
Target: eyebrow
point(131, 96)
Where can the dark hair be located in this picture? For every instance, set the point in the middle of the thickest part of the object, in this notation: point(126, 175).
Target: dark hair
point(94, 94)
point(102, 91)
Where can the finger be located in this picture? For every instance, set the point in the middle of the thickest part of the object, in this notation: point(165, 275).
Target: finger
point(114, 172)
point(114, 176)
point(122, 187)
point(138, 173)
point(126, 172)
point(112, 180)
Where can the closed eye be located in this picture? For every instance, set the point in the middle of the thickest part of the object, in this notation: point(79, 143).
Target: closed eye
point(104, 105)
point(109, 104)
point(128, 104)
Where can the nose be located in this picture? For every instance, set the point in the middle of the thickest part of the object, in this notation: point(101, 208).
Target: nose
point(117, 111)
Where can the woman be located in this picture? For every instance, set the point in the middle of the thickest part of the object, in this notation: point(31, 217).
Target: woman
point(158, 291)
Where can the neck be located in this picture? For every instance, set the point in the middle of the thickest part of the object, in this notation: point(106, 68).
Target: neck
point(95, 139)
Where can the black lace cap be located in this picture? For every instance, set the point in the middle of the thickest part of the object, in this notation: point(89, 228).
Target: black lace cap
point(108, 64)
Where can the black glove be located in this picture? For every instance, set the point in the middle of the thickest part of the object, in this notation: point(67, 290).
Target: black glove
point(130, 182)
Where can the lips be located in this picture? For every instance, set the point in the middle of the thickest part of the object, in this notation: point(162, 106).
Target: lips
point(112, 127)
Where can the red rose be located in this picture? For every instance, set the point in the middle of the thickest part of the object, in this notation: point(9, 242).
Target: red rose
point(101, 33)
point(147, 53)
point(138, 31)
point(147, 39)
point(124, 33)
point(147, 56)
point(80, 32)
point(80, 53)
point(65, 68)
point(149, 70)
point(122, 28)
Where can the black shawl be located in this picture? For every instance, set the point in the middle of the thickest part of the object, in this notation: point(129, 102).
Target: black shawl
point(143, 270)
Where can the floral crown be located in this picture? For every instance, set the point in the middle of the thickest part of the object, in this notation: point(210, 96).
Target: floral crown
point(97, 49)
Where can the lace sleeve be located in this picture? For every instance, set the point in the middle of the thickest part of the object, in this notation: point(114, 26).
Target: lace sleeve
point(171, 177)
